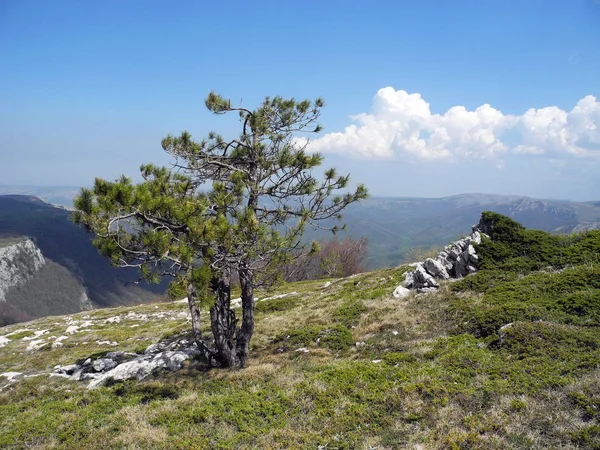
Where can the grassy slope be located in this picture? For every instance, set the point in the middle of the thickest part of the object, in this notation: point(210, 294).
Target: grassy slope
point(429, 371)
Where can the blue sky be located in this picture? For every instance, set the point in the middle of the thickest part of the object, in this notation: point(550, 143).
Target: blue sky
point(424, 98)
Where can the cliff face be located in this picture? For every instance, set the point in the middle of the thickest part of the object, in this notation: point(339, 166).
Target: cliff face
point(19, 262)
point(34, 286)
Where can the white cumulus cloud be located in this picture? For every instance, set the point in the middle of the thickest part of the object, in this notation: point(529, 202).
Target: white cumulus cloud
point(401, 124)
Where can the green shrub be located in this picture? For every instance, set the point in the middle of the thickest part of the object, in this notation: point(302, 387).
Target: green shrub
point(571, 296)
point(348, 313)
point(551, 340)
point(335, 338)
point(396, 358)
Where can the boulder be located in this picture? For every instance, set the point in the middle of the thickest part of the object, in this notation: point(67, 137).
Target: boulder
point(11, 376)
point(155, 348)
point(436, 269)
point(401, 292)
point(103, 364)
point(422, 279)
point(141, 367)
point(67, 370)
point(456, 260)
point(408, 280)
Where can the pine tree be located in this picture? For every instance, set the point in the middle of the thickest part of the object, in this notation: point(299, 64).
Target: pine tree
point(225, 208)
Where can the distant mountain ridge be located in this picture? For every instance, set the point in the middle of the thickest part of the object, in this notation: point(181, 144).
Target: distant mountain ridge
point(400, 228)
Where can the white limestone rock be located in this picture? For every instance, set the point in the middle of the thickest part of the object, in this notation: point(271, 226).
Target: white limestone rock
point(401, 292)
point(58, 342)
point(436, 269)
point(103, 364)
point(408, 280)
point(142, 367)
point(36, 345)
point(11, 376)
point(18, 263)
point(3, 341)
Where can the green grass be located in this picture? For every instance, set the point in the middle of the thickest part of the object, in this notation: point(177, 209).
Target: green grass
point(430, 370)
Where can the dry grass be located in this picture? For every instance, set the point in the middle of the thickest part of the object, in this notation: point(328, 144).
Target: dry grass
point(302, 400)
point(139, 433)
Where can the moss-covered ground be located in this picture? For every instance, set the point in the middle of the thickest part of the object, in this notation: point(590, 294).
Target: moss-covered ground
point(426, 372)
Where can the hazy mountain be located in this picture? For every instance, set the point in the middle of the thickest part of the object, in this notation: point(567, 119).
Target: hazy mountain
point(56, 195)
point(394, 226)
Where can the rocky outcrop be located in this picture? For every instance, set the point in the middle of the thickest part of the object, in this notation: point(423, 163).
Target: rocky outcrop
point(454, 261)
point(119, 366)
point(32, 285)
point(587, 226)
point(19, 262)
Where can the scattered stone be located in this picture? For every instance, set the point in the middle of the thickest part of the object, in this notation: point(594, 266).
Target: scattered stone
point(58, 342)
point(277, 296)
point(102, 364)
point(115, 355)
point(115, 319)
point(36, 335)
point(376, 361)
point(36, 345)
point(61, 375)
point(423, 279)
point(3, 341)
point(142, 367)
point(20, 330)
point(401, 292)
point(111, 343)
point(66, 370)
point(10, 376)
point(409, 280)
point(155, 348)
point(395, 332)
point(302, 350)
point(326, 285)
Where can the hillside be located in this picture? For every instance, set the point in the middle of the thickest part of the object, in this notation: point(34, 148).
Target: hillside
point(72, 258)
point(506, 358)
point(401, 229)
point(33, 286)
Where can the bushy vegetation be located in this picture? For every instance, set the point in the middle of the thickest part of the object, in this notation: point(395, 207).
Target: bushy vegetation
point(347, 366)
point(335, 258)
point(531, 275)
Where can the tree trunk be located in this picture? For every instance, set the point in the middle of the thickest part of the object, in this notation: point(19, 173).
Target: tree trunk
point(246, 331)
point(206, 354)
point(223, 324)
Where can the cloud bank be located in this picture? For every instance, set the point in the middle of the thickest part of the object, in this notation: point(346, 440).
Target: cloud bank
point(402, 125)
